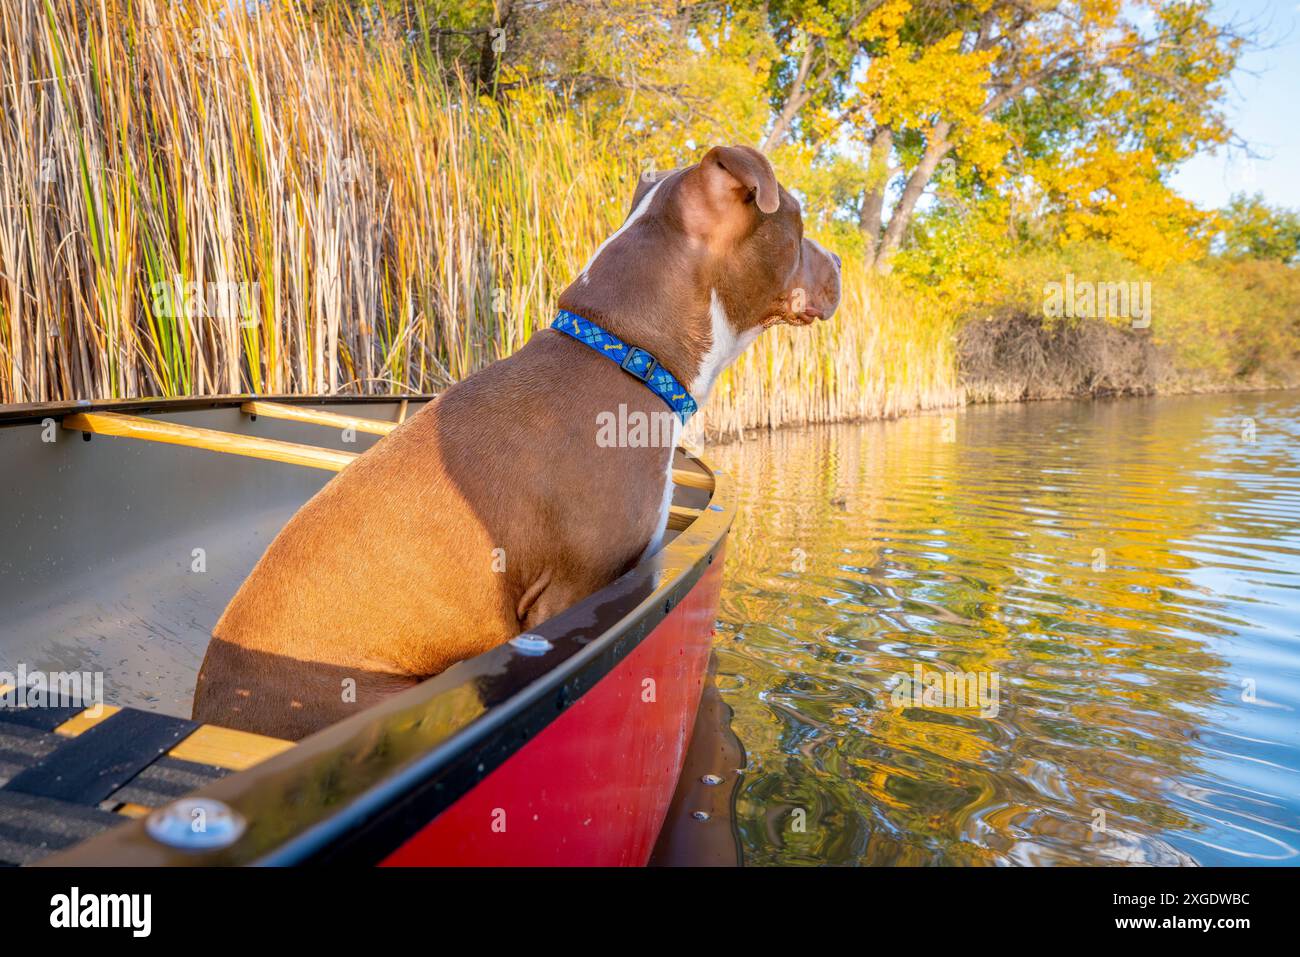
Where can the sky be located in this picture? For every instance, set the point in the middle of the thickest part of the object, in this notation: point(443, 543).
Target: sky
point(1263, 107)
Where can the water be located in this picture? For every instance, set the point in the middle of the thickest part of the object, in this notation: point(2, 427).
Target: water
point(1128, 571)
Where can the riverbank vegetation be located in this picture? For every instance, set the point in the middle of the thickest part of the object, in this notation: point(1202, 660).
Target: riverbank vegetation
point(319, 197)
point(1203, 325)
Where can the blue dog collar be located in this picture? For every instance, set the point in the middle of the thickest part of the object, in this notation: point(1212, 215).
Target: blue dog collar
point(635, 361)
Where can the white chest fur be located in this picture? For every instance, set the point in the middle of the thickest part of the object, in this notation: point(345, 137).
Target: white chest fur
point(725, 347)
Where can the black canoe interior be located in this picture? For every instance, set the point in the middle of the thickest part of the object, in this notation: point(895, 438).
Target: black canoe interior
point(97, 565)
point(100, 572)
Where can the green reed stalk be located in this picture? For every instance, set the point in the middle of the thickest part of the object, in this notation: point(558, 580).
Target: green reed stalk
point(401, 233)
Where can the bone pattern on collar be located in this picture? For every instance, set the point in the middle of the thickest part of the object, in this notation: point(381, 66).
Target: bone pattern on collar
point(635, 361)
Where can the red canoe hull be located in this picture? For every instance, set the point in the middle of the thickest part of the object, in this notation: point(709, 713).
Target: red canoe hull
point(593, 787)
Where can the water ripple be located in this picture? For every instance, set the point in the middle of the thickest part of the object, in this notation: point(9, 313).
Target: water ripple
point(1128, 573)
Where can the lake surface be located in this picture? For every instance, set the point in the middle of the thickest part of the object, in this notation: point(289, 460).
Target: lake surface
point(1121, 579)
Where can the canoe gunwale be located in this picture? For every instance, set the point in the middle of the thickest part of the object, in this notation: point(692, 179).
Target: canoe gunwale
point(32, 412)
point(366, 808)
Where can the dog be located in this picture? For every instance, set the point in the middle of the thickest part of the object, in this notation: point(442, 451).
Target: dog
point(495, 507)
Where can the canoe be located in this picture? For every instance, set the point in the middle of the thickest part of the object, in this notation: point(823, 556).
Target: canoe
point(129, 525)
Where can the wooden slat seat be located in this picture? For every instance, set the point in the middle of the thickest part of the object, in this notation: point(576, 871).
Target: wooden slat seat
point(64, 780)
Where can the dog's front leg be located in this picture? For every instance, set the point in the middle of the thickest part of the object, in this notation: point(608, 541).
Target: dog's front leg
point(548, 597)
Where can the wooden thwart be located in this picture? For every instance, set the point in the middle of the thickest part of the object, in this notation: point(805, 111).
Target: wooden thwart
point(688, 479)
point(680, 517)
point(296, 413)
point(172, 433)
point(156, 430)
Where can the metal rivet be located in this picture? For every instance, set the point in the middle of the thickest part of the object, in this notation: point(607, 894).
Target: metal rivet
point(531, 644)
point(700, 815)
point(196, 824)
point(711, 779)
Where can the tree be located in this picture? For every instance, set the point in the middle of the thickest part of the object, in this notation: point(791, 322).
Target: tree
point(1064, 117)
point(1106, 85)
point(1252, 229)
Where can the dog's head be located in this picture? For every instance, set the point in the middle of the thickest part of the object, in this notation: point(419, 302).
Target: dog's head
point(708, 257)
point(745, 231)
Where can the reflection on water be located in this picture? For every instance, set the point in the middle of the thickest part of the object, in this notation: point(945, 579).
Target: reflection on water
point(1128, 572)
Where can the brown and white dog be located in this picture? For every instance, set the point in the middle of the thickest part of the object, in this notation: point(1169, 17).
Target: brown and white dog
point(391, 573)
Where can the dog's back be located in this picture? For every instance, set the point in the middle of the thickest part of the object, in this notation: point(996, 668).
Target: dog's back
point(425, 550)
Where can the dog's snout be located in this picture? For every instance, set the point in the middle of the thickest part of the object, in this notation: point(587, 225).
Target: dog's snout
point(820, 277)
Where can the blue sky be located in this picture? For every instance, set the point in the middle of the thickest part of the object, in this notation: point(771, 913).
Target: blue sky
point(1263, 107)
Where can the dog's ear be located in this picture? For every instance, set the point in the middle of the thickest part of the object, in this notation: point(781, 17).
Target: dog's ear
point(718, 192)
point(741, 173)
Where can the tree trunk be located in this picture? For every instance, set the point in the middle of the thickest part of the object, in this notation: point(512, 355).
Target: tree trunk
point(873, 196)
point(798, 96)
point(935, 150)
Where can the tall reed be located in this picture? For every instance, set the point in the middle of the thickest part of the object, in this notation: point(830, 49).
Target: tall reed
point(388, 232)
